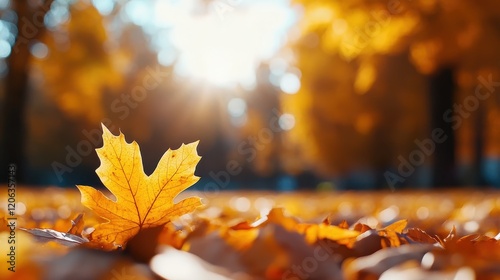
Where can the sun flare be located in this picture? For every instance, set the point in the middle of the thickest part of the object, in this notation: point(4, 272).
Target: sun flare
point(224, 43)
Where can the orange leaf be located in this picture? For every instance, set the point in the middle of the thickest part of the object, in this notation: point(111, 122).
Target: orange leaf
point(142, 201)
point(240, 239)
point(277, 216)
point(361, 227)
point(344, 224)
point(334, 233)
point(421, 236)
point(398, 226)
point(451, 236)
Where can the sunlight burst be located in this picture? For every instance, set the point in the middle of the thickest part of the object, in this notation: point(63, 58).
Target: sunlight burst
point(224, 47)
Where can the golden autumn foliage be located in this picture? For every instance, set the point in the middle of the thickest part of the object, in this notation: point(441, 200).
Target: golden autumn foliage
point(363, 68)
point(79, 64)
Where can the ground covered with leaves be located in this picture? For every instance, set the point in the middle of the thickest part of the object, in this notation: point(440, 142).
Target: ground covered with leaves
point(147, 227)
point(249, 235)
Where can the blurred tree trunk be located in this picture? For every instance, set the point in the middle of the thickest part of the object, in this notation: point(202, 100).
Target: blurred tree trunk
point(442, 90)
point(30, 27)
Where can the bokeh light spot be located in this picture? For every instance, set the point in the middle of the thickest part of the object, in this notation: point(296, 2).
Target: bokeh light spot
point(286, 121)
point(290, 83)
point(39, 50)
point(236, 107)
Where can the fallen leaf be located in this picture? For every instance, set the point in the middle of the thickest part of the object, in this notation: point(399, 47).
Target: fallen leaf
point(418, 235)
point(166, 265)
point(277, 216)
point(398, 226)
point(361, 227)
point(321, 231)
point(240, 239)
point(63, 238)
point(3, 223)
point(142, 247)
point(324, 256)
point(84, 264)
point(142, 201)
point(172, 237)
point(77, 225)
point(266, 256)
point(382, 260)
point(220, 253)
point(451, 236)
point(344, 225)
point(411, 271)
point(367, 243)
point(392, 237)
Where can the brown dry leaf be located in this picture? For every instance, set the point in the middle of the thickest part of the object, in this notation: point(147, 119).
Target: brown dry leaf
point(143, 246)
point(77, 225)
point(361, 227)
point(215, 250)
point(367, 243)
point(451, 236)
point(373, 265)
point(344, 224)
point(266, 256)
point(418, 235)
point(166, 266)
point(327, 221)
point(472, 238)
point(301, 254)
point(411, 270)
point(85, 263)
point(142, 201)
point(3, 224)
point(242, 225)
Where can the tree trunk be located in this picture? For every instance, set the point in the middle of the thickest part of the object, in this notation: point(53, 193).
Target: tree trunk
point(442, 90)
point(15, 98)
point(16, 88)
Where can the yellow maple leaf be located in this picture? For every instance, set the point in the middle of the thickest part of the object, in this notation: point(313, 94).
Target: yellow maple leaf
point(142, 201)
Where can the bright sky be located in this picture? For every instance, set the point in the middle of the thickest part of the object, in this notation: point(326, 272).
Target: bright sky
point(222, 43)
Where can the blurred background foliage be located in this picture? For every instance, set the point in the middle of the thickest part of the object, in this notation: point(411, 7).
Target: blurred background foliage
point(283, 95)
